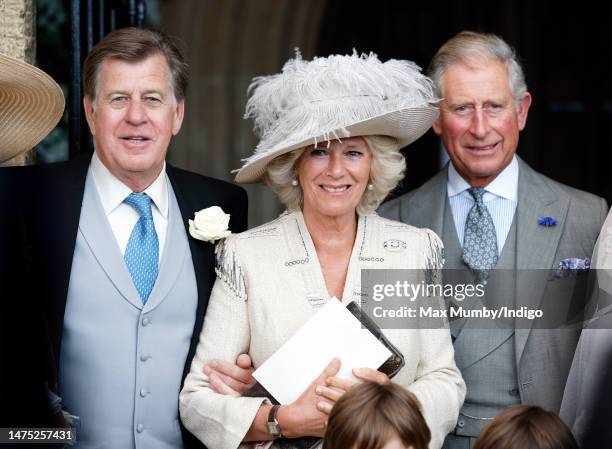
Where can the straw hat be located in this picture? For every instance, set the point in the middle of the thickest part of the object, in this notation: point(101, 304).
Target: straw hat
point(31, 104)
point(332, 98)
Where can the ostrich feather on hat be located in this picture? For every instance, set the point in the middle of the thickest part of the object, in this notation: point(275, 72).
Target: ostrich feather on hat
point(335, 97)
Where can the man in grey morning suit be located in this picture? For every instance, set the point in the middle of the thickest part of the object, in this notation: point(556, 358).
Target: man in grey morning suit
point(484, 107)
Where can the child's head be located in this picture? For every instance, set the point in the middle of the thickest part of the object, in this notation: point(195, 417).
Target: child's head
point(373, 416)
point(526, 427)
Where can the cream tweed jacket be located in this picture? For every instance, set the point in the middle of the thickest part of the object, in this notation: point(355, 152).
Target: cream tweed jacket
point(270, 283)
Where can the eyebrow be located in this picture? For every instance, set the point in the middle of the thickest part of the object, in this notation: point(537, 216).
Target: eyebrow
point(460, 102)
point(153, 91)
point(117, 92)
point(123, 92)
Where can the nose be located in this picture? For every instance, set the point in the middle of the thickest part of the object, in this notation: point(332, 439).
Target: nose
point(335, 167)
point(136, 113)
point(480, 125)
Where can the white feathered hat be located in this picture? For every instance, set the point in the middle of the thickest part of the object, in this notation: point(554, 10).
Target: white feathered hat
point(332, 98)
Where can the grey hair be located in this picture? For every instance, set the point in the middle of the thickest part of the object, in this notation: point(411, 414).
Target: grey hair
point(387, 170)
point(469, 45)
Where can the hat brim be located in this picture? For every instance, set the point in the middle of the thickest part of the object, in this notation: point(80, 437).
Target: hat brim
point(31, 104)
point(405, 125)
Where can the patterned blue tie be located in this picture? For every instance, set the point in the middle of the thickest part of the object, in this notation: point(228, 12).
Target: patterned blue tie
point(480, 239)
point(142, 251)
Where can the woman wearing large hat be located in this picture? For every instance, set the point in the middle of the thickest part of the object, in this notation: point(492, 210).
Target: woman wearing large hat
point(330, 132)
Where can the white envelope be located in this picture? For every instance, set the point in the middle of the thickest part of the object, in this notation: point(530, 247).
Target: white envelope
point(332, 332)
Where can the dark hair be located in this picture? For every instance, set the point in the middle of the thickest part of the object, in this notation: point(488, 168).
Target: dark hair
point(526, 427)
point(135, 45)
point(369, 415)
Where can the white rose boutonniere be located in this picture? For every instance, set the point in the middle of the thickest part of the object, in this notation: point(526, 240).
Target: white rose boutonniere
point(210, 224)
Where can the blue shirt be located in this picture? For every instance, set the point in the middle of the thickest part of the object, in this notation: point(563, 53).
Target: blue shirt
point(500, 198)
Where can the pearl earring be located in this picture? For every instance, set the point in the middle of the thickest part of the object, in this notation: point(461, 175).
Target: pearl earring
point(370, 186)
point(294, 182)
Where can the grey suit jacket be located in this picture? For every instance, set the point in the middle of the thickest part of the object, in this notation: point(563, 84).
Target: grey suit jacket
point(543, 356)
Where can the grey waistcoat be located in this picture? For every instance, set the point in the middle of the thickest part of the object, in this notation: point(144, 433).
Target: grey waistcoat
point(121, 362)
point(486, 357)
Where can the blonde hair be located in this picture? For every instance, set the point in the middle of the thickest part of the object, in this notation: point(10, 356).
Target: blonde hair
point(387, 170)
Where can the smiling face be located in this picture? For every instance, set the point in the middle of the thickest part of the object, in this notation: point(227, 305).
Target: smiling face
point(133, 118)
point(479, 122)
point(334, 179)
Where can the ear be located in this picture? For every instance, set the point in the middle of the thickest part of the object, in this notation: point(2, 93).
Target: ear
point(437, 127)
point(524, 110)
point(179, 114)
point(89, 114)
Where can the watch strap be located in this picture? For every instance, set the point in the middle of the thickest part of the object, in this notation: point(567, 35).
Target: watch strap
point(273, 423)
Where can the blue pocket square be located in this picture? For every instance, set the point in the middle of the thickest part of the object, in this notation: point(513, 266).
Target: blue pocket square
point(570, 265)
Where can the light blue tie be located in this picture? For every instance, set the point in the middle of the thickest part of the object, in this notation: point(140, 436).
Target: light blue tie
point(142, 251)
point(480, 238)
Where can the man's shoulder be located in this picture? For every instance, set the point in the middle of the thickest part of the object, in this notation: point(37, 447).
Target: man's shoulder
point(585, 214)
point(57, 181)
point(582, 196)
point(578, 197)
point(196, 182)
point(50, 168)
point(190, 177)
point(194, 192)
point(429, 191)
point(395, 201)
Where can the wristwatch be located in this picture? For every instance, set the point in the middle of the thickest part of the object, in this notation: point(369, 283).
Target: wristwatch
point(273, 426)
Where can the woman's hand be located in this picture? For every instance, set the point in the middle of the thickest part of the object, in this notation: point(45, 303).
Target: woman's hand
point(306, 416)
point(335, 387)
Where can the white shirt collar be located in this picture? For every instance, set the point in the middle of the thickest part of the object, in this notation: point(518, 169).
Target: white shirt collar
point(112, 192)
point(504, 185)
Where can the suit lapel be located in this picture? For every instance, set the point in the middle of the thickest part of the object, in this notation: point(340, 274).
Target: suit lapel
point(536, 245)
point(99, 237)
point(202, 255)
point(174, 253)
point(425, 208)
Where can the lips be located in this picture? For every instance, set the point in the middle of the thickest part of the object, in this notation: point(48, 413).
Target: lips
point(135, 142)
point(335, 189)
point(135, 138)
point(482, 148)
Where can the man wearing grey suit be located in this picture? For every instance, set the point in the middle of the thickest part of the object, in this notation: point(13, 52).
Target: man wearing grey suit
point(488, 198)
point(123, 286)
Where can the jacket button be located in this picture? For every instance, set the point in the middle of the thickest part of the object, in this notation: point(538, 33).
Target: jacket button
point(143, 392)
point(514, 392)
point(144, 357)
point(139, 428)
point(146, 321)
point(460, 423)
